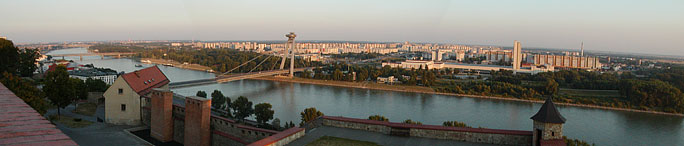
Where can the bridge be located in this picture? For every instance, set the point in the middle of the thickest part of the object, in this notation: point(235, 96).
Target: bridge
point(227, 76)
point(102, 55)
point(233, 77)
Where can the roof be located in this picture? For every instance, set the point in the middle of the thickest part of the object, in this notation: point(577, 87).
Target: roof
point(277, 137)
point(22, 125)
point(144, 80)
point(548, 113)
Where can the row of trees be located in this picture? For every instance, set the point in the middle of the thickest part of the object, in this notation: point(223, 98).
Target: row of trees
point(60, 89)
point(345, 72)
point(241, 108)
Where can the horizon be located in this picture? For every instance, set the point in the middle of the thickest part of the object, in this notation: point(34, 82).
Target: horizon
point(651, 27)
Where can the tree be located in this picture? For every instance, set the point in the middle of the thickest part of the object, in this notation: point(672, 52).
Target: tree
point(454, 124)
point(337, 75)
point(218, 101)
point(378, 118)
point(263, 112)
point(409, 121)
point(95, 85)
point(59, 89)
point(201, 94)
point(551, 87)
point(242, 108)
point(309, 114)
point(26, 91)
point(80, 88)
point(27, 62)
point(8, 56)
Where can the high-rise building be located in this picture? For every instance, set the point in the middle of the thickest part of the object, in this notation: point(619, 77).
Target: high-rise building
point(582, 48)
point(517, 56)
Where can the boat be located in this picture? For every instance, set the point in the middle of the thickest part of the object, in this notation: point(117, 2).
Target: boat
point(138, 65)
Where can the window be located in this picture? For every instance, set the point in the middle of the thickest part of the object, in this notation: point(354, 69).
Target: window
point(553, 133)
point(120, 91)
point(123, 107)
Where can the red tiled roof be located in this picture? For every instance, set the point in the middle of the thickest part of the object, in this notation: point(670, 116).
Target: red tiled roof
point(276, 137)
point(430, 127)
point(22, 125)
point(555, 142)
point(144, 80)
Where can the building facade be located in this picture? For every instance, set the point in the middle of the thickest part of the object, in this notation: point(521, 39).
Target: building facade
point(123, 98)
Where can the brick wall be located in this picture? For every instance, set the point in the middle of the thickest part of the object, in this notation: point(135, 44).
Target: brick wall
point(161, 127)
point(197, 124)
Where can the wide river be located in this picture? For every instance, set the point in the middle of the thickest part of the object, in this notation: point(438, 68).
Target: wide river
point(603, 127)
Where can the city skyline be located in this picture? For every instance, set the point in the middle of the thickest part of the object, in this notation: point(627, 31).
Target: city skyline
point(616, 26)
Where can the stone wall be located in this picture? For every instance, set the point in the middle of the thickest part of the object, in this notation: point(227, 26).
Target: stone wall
point(281, 138)
point(477, 135)
point(360, 126)
point(549, 130)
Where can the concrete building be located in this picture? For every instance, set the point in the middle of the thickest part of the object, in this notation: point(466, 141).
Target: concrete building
point(123, 98)
point(560, 61)
point(388, 80)
point(517, 56)
point(108, 76)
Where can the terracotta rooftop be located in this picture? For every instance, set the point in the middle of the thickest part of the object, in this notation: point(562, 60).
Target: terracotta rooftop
point(548, 113)
point(144, 80)
point(22, 125)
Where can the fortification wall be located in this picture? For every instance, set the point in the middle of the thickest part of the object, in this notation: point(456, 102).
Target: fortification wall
point(477, 135)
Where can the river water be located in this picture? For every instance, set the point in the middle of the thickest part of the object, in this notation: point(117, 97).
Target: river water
point(603, 127)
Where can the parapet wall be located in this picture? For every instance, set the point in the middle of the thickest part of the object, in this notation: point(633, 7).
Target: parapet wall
point(477, 135)
point(223, 131)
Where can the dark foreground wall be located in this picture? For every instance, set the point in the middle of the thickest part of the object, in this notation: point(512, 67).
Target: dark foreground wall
point(477, 135)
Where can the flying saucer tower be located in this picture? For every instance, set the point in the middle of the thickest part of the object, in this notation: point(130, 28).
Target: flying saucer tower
point(290, 47)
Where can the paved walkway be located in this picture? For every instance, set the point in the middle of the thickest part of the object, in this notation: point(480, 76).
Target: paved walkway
point(379, 138)
point(96, 134)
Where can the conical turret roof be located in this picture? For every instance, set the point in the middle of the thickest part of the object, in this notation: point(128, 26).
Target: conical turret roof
point(548, 113)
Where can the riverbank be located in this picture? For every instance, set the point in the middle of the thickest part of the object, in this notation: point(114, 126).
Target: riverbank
point(427, 90)
point(177, 64)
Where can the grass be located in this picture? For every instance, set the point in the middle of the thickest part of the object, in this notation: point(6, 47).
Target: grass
point(70, 122)
point(87, 109)
point(336, 141)
point(590, 93)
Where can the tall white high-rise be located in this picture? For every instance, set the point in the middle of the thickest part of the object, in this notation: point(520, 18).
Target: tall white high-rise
point(582, 48)
point(517, 56)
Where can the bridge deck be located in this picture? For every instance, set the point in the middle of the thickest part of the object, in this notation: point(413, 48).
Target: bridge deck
point(232, 77)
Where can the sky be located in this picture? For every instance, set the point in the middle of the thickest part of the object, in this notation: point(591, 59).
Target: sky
point(628, 26)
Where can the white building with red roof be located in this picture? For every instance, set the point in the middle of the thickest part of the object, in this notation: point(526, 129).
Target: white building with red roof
point(123, 98)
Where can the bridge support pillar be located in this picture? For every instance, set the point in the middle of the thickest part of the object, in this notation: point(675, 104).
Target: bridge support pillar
point(81, 57)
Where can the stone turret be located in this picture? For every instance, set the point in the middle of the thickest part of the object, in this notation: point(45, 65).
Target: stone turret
point(548, 125)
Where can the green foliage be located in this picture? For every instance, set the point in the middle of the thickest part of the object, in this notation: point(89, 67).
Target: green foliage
point(201, 94)
point(27, 62)
point(409, 121)
point(95, 85)
point(455, 124)
point(309, 114)
point(276, 124)
point(80, 88)
point(218, 101)
point(378, 118)
point(26, 91)
point(9, 56)
point(242, 108)
point(263, 112)
point(59, 88)
point(360, 56)
point(653, 94)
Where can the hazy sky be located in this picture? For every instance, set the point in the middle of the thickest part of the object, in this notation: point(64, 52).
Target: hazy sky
point(645, 26)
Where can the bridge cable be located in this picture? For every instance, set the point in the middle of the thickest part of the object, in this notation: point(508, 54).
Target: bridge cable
point(242, 64)
point(262, 62)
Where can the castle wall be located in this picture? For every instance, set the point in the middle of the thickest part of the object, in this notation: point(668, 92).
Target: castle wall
point(477, 135)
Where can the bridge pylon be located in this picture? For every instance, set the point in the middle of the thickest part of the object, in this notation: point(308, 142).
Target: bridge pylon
point(290, 48)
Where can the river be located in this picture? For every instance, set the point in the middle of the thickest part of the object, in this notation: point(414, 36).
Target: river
point(603, 127)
